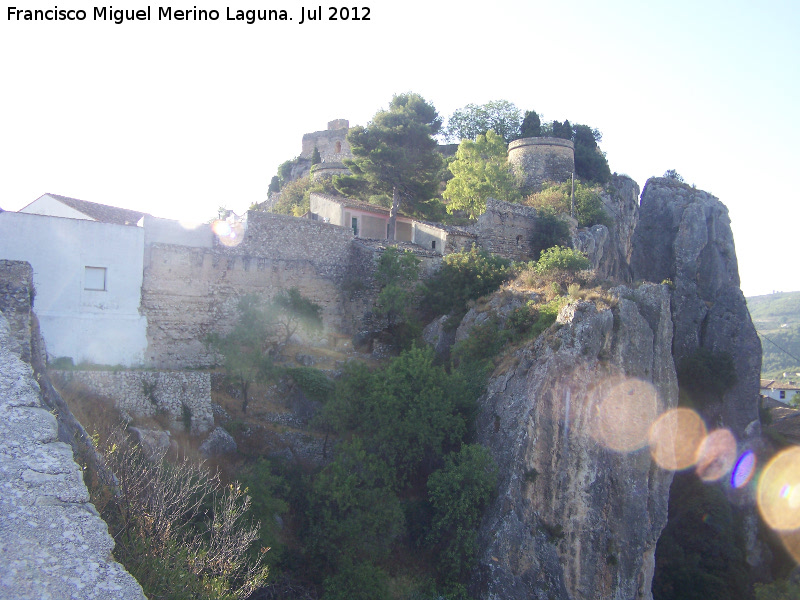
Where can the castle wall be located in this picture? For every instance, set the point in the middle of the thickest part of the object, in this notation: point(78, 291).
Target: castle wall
point(190, 292)
point(507, 229)
point(536, 160)
point(148, 393)
point(332, 143)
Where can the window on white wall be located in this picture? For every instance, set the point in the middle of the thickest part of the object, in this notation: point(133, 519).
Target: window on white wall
point(94, 278)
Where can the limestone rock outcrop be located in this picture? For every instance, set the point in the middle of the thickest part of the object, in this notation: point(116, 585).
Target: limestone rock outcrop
point(580, 504)
point(684, 235)
point(609, 248)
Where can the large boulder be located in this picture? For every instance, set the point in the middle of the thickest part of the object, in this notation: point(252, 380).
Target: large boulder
point(220, 442)
point(580, 504)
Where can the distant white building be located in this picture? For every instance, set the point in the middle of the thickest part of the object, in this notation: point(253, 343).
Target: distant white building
point(782, 391)
point(87, 262)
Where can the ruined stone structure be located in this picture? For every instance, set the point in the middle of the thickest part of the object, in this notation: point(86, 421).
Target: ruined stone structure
point(53, 543)
point(506, 229)
point(331, 143)
point(188, 292)
point(536, 160)
point(149, 393)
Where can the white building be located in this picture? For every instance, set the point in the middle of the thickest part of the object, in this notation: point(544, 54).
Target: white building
point(87, 264)
point(782, 391)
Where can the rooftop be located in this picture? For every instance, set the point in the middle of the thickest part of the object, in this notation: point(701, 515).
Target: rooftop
point(101, 212)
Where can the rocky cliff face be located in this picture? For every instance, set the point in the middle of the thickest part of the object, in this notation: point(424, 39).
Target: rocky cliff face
point(684, 235)
point(580, 504)
point(609, 248)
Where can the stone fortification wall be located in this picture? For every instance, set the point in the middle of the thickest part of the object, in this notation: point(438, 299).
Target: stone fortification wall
point(332, 143)
point(536, 160)
point(507, 229)
point(190, 292)
point(148, 393)
point(53, 543)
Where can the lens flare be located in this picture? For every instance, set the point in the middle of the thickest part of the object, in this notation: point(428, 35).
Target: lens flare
point(716, 456)
point(778, 493)
point(228, 234)
point(743, 470)
point(624, 414)
point(675, 439)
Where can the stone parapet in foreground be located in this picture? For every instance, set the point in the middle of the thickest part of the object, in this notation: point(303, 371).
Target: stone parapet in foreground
point(53, 544)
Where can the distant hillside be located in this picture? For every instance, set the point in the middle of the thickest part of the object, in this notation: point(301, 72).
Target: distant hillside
point(777, 319)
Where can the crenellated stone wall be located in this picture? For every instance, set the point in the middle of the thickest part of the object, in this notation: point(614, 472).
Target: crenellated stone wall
point(148, 393)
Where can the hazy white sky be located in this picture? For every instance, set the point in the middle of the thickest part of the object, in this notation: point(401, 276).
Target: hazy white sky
point(178, 118)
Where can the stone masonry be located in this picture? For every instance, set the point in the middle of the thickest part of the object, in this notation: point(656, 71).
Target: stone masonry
point(53, 543)
point(147, 393)
point(536, 160)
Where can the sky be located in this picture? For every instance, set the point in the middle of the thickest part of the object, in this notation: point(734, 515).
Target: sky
point(178, 118)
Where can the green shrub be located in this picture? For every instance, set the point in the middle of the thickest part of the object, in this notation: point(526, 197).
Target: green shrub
point(555, 199)
point(778, 590)
point(458, 494)
point(314, 383)
point(465, 276)
point(560, 258)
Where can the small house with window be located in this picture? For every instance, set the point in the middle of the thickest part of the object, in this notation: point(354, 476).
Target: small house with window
point(780, 390)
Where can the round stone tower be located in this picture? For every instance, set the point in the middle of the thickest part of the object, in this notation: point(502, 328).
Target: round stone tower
point(540, 159)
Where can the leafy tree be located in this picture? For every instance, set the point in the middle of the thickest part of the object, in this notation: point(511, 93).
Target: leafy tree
point(245, 350)
point(795, 401)
point(354, 513)
point(590, 162)
point(295, 196)
point(458, 493)
point(559, 258)
point(274, 184)
point(561, 130)
point(464, 276)
point(410, 414)
point(778, 590)
point(290, 311)
point(315, 157)
point(397, 274)
point(531, 125)
point(480, 170)
point(395, 155)
point(260, 331)
point(551, 230)
point(501, 116)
